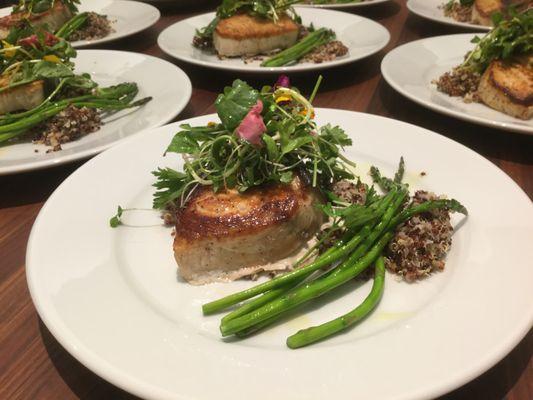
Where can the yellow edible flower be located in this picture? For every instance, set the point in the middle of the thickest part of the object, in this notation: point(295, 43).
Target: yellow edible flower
point(8, 53)
point(52, 58)
point(211, 124)
point(282, 98)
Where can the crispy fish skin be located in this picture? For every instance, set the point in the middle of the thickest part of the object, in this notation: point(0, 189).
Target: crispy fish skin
point(508, 87)
point(243, 34)
point(24, 97)
point(226, 235)
point(53, 19)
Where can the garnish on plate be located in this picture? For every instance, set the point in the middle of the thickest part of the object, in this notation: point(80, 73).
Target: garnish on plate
point(268, 190)
point(498, 71)
point(270, 28)
point(60, 17)
point(43, 98)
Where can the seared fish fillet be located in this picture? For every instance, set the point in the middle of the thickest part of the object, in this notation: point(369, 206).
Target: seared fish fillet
point(243, 34)
point(226, 235)
point(23, 97)
point(54, 19)
point(483, 10)
point(508, 87)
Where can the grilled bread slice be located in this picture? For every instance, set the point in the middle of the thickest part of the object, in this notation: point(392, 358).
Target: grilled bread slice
point(226, 235)
point(24, 97)
point(508, 87)
point(53, 19)
point(245, 35)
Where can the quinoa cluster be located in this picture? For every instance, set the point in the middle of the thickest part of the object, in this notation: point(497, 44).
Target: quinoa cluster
point(420, 245)
point(70, 124)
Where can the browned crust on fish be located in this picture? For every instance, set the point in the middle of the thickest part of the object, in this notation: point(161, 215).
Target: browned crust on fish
point(229, 213)
point(243, 26)
point(514, 79)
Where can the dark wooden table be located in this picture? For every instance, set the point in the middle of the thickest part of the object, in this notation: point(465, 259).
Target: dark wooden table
point(32, 363)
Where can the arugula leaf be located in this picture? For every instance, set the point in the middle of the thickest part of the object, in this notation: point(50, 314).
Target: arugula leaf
point(508, 39)
point(233, 105)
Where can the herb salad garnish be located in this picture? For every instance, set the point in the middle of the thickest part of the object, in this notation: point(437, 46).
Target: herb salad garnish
point(266, 135)
point(268, 9)
point(41, 6)
point(509, 38)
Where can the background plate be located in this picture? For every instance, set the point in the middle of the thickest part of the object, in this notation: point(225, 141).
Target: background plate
point(411, 68)
point(362, 36)
point(166, 83)
point(431, 9)
point(112, 298)
point(128, 18)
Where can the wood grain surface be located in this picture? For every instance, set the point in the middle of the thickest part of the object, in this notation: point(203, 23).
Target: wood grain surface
point(32, 363)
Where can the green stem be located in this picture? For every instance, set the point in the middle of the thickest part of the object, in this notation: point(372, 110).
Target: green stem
point(311, 335)
point(307, 292)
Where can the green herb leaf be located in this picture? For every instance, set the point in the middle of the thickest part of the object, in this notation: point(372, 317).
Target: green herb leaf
point(183, 142)
point(236, 101)
point(115, 220)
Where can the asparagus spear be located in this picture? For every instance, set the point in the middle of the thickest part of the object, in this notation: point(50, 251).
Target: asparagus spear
point(106, 99)
point(306, 45)
point(72, 25)
point(349, 269)
point(307, 292)
point(311, 335)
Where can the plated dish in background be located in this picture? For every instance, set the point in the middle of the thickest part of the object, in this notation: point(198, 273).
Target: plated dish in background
point(269, 31)
point(362, 38)
point(498, 70)
point(434, 10)
point(96, 121)
point(82, 22)
point(44, 100)
point(483, 12)
point(170, 336)
point(439, 55)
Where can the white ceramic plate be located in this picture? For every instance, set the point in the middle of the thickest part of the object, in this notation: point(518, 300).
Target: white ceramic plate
point(127, 17)
point(411, 68)
point(362, 36)
point(112, 298)
point(167, 84)
point(340, 6)
point(432, 10)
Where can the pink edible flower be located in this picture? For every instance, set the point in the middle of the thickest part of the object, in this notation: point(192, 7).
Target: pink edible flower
point(283, 81)
point(252, 126)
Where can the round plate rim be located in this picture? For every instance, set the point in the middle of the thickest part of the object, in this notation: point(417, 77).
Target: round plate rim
point(125, 382)
point(180, 106)
point(438, 108)
point(273, 70)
